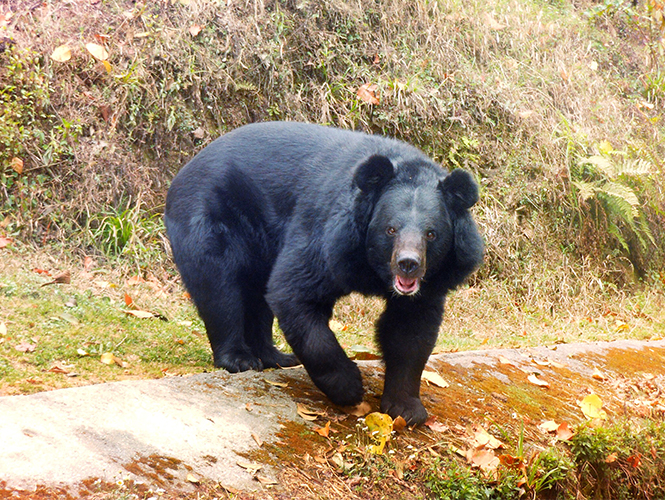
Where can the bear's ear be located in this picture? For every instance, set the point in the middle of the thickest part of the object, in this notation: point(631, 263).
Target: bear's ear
point(459, 190)
point(374, 173)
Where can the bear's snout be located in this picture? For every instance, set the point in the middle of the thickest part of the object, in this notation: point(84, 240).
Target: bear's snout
point(409, 263)
point(408, 266)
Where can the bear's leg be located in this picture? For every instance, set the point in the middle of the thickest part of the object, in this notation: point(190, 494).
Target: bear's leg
point(219, 299)
point(258, 334)
point(305, 326)
point(407, 332)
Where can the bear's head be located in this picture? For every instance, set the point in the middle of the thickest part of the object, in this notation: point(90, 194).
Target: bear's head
point(414, 221)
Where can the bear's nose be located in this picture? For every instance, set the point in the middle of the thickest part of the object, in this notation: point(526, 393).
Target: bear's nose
point(408, 265)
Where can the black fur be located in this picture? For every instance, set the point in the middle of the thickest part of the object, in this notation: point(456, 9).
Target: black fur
point(285, 218)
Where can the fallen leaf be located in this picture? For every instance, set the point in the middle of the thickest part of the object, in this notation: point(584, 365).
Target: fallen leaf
point(533, 378)
point(360, 410)
point(367, 93)
point(434, 378)
point(265, 480)
point(323, 431)
point(483, 459)
point(97, 51)
point(434, 425)
point(128, 300)
point(611, 458)
point(82, 353)
point(251, 467)
point(306, 413)
point(257, 439)
point(195, 29)
point(25, 347)
point(64, 277)
point(511, 461)
point(230, 489)
point(379, 426)
point(199, 133)
point(505, 361)
point(548, 426)
point(556, 364)
point(5, 241)
point(108, 358)
point(564, 432)
point(277, 384)
point(17, 165)
point(483, 439)
point(58, 369)
point(541, 362)
point(61, 54)
point(3, 328)
point(598, 375)
point(591, 406)
point(634, 460)
point(191, 478)
point(399, 424)
point(139, 314)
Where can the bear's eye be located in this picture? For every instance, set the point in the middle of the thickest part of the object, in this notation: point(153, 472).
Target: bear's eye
point(430, 235)
point(390, 231)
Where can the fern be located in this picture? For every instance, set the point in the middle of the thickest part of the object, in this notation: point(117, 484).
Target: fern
point(604, 182)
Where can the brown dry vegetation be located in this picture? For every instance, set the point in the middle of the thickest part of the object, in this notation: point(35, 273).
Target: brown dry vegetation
point(520, 93)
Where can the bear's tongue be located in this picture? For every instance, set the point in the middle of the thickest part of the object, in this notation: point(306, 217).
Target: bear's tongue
point(406, 286)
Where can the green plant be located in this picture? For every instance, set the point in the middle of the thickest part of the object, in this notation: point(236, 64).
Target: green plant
point(448, 480)
point(602, 183)
point(129, 233)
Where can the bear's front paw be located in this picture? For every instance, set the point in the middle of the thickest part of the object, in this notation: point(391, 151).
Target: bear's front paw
point(344, 387)
point(409, 408)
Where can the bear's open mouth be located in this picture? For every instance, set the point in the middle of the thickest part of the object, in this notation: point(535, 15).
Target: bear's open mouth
point(406, 286)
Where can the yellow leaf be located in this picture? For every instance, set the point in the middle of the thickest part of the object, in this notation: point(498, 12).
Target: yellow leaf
point(3, 329)
point(379, 427)
point(191, 478)
point(591, 406)
point(61, 54)
point(548, 426)
point(139, 314)
point(107, 67)
point(533, 378)
point(108, 358)
point(435, 378)
point(97, 51)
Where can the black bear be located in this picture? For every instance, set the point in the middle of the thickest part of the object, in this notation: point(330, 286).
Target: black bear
point(282, 219)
